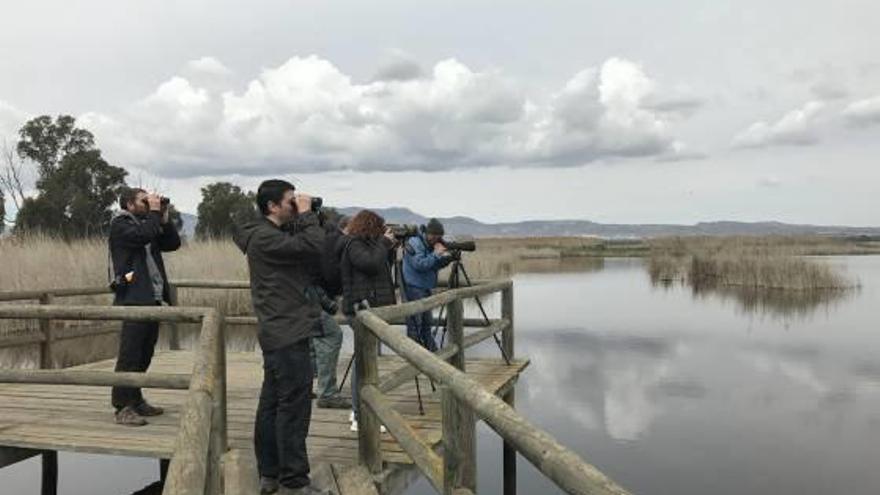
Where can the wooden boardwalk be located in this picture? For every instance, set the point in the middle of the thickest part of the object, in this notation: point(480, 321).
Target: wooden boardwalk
point(80, 419)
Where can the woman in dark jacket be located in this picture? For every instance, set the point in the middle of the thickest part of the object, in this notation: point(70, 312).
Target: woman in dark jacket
point(366, 252)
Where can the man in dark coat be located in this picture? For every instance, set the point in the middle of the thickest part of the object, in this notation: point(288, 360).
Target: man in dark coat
point(139, 234)
point(278, 261)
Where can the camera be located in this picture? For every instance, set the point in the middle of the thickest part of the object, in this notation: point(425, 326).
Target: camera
point(455, 248)
point(402, 231)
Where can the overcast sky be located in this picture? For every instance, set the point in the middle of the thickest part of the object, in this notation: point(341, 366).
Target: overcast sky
point(630, 112)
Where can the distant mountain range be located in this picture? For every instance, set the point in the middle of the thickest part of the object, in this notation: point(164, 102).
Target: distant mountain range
point(555, 228)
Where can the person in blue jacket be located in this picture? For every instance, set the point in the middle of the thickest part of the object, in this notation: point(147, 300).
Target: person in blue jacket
point(423, 256)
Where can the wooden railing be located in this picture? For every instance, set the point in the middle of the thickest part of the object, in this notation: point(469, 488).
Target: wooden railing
point(202, 437)
point(463, 400)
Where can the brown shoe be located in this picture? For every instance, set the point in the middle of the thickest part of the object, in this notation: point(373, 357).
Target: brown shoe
point(128, 417)
point(146, 410)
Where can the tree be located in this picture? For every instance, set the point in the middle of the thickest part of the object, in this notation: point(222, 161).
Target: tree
point(47, 142)
point(75, 199)
point(223, 205)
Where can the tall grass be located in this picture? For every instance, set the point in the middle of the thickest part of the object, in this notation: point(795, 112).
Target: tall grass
point(748, 262)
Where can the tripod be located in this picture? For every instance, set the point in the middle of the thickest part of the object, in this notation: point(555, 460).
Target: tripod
point(400, 284)
point(455, 281)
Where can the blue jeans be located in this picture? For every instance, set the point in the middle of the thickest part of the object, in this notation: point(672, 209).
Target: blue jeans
point(418, 327)
point(283, 415)
point(326, 349)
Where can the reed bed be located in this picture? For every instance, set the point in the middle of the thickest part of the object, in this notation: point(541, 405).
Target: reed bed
point(779, 263)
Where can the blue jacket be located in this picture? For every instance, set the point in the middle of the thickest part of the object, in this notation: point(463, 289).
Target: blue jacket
point(420, 264)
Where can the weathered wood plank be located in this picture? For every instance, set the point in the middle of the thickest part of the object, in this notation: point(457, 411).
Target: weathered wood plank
point(354, 480)
point(95, 378)
point(420, 452)
point(563, 466)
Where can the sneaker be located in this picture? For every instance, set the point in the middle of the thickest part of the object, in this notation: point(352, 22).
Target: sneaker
point(334, 402)
point(354, 427)
point(304, 490)
point(128, 417)
point(268, 485)
point(145, 409)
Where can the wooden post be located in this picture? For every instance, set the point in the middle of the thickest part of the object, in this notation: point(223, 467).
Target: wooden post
point(50, 473)
point(459, 444)
point(47, 360)
point(219, 432)
point(163, 469)
point(455, 329)
point(508, 452)
point(173, 329)
point(459, 424)
point(367, 370)
point(507, 313)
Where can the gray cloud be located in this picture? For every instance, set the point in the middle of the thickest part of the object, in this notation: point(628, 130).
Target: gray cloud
point(795, 128)
point(863, 113)
point(308, 116)
point(398, 69)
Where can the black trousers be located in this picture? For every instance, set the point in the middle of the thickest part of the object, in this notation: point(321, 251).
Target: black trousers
point(283, 415)
point(137, 342)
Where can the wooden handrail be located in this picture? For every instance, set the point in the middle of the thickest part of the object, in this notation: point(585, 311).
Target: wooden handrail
point(563, 466)
point(96, 378)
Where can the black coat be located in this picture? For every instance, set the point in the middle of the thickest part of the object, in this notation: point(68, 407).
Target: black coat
point(281, 268)
point(366, 272)
point(129, 236)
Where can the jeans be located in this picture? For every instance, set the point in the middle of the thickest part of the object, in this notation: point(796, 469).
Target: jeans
point(137, 343)
point(418, 327)
point(326, 350)
point(283, 415)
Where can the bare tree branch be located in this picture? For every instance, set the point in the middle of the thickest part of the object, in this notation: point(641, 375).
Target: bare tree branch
point(12, 175)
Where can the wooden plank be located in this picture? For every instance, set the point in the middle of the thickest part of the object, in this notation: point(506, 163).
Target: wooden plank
point(563, 466)
point(240, 472)
point(95, 378)
point(366, 368)
point(322, 477)
point(420, 452)
point(354, 480)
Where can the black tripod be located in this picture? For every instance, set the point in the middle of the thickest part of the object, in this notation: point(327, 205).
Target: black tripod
point(456, 276)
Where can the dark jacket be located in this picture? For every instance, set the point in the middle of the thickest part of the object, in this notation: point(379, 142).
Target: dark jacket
point(366, 272)
point(129, 237)
point(279, 262)
point(331, 260)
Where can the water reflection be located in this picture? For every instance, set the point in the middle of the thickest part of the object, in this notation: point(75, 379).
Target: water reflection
point(775, 303)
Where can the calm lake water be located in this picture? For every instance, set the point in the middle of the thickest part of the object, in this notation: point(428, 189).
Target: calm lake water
point(673, 393)
point(666, 391)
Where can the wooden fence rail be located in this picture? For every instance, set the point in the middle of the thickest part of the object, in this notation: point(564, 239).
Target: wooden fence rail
point(462, 397)
point(202, 436)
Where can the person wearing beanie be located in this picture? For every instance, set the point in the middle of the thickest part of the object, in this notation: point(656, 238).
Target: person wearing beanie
point(423, 256)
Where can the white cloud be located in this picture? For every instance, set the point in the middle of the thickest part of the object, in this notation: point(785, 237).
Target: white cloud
point(863, 113)
point(308, 116)
point(208, 66)
point(797, 127)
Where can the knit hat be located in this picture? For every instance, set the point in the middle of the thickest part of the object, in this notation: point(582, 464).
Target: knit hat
point(434, 227)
